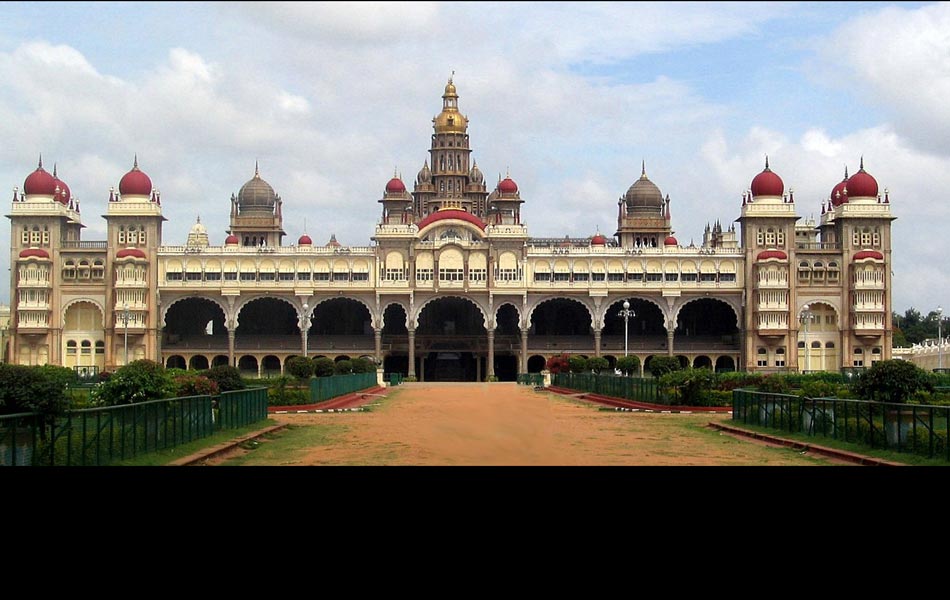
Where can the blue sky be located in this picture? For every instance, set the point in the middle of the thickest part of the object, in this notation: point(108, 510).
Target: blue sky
point(330, 97)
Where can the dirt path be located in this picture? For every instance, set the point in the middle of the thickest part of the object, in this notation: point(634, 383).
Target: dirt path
point(500, 424)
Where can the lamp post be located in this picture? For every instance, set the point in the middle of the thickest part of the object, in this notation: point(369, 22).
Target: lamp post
point(125, 321)
point(939, 337)
point(626, 313)
point(805, 317)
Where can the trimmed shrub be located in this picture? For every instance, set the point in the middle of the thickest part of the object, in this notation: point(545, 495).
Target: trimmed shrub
point(578, 364)
point(629, 365)
point(558, 364)
point(892, 381)
point(323, 367)
point(774, 384)
point(138, 381)
point(363, 365)
point(193, 384)
point(688, 386)
point(227, 377)
point(598, 364)
point(343, 367)
point(661, 365)
point(299, 367)
point(279, 393)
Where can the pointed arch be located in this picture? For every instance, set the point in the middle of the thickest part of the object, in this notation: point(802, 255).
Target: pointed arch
point(174, 301)
point(482, 309)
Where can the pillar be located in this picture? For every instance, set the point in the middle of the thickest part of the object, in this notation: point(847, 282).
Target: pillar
point(231, 334)
point(412, 352)
point(490, 367)
point(524, 350)
point(597, 333)
point(669, 343)
point(303, 340)
point(378, 339)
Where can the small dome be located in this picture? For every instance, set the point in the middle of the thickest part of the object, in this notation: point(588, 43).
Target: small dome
point(231, 240)
point(839, 193)
point(450, 120)
point(257, 195)
point(508, 186)
point(305, 240)
point(425, 174)
point(64, 193)
point(198, 229)
point(598, 240)
point(644, 193)
point(34, 253)
point(333, 243)
point(395, 186)
point(862, 184)
point(39, 182)
point(130, 253)
point(670, 241)
point(767, 254)
point(866, 254)
point(767, 183)
point(135, 182)
point(475, 175)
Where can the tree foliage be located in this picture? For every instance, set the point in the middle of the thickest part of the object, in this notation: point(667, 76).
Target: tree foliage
point(558, 364)
point(194, 384)
point(892, 381)
point(34, 389)
point(578, 364)
point(629, 365)
point(138, 381)
point(363, 365)
point(299, 367)
point(598, 364)
point(661, 365)
point(323, 367)
point(343, 367)
point(227, 377)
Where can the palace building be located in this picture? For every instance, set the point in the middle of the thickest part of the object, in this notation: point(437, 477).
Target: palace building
point(452, 286)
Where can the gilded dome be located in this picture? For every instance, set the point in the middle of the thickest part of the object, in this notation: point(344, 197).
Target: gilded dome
point(450, 120)
point(257, 195)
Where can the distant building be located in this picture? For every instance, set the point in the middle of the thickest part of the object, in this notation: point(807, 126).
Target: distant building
point(452, 286)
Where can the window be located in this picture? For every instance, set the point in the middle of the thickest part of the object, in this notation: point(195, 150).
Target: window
point(84, 269)
point(230, 275)
point(100, 347)
point(423, 274)
point(121, 235)
point(690, 277)
point(213, 276)
point(395, 274)
point(780, 357)
point(707, 277)
point(762, 357)
point(267, 276)
point(730, 277)
point(69, 270)
point(285, 276)
point(450, 274)
point(245, 276)
point(85, 348)
point(360, 276)
point(615, 277)
point(760, 238)
point(25, 238)
point(303, 275)
point(131, 237)
point(322, 276)
point(562, 277)
point(858, 359)
point(770, 237)
point(193, 276)
point(71, 348)
point(45, 235)
point(344, 276)
point(98, 269)
point(480, 274)
point(635, 276)
point(829, 345)
point(581, 276)
point(542, 277)
point(801, 345)
point(671, 276)
point(173, 276)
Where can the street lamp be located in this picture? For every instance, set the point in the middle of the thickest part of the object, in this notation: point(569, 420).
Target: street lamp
point(626, 313)
point(804, 317)
point(125, 320)
point(306, 322)
point(939, 337)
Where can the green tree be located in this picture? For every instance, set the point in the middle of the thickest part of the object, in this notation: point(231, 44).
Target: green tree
point(227, 377)
point(598, 364)
point(629, 365)
point(343, 367)
point(323, 367)
point(661, 365)
point(363, 365)
point(33, 389)
point(688, 386)
point(138, 381)
point(892, 381)
point(578, 364)
point(299, 367)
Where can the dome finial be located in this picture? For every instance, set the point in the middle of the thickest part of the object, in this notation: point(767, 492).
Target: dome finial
point(40, 166)
point(452, 76)
point(135, 161)
point(257, 170)
point(862, 162)
point(845, 173)
point(394, 172)
point(54, 170)
point(766, 162)
point(643, 167)
point(198, 219)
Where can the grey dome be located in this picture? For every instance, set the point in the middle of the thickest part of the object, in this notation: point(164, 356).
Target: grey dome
point(257, 195)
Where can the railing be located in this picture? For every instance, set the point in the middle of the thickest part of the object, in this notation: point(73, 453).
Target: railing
point(911, 428)
point(84, 245)
point(533, 379)
point(100, 436)
point(628, 388)
point(817, 246)
point(241, 407)
point(325, 388)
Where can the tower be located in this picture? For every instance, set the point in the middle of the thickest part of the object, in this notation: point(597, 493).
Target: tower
point(643, 218)
point(256, 215)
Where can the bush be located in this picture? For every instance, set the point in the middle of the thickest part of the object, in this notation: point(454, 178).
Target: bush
point(661, 365)
point(578, 364)
point(558, 364)
point(343, 367)
point(629, 365)
point(299, 367)
point(280, 394)
point(598, 364)
point(363, 365)
point(34, 389)
point(194, 384)
point(323, 367)
point(138, 381)
point(688, 386)
point(774, 384)
point(228, 378)
point(892, 381)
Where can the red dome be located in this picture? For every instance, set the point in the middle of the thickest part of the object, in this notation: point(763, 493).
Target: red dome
point(305, 240)
point(598, 240)
point(507, 186)
point(135, 182)
point(862, 184)
point(34, 253)
point(868, 254)
point(130, 253)
point(395, 186)
point(39, 182)
point(839, 193)
point(64, 193)
point(767, 254)
point(671, 241)
point(231, 240)
point(767, 183)
point(450, 214)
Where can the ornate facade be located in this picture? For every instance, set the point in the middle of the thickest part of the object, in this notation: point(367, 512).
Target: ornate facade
point(452, 287)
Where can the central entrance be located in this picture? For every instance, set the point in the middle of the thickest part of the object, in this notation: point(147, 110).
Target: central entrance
point(451, 341)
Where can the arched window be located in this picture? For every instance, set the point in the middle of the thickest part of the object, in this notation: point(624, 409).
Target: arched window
point(762, 359)
point(780, 356)
point(71, 348)
point(830, 345)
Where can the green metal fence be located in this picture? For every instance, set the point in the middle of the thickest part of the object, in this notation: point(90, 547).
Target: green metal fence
point(911, 428)
point(241, 407)
point(534, 379)
point(618, 386)
point(325, 388)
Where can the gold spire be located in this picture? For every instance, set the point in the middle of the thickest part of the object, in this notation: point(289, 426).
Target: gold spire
point(450, 120)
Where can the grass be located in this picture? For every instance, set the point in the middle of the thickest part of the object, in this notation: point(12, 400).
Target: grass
point(830, 442)
point(163, 457)
point(284, 446)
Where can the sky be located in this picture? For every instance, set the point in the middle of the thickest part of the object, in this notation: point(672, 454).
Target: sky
point(332, 98)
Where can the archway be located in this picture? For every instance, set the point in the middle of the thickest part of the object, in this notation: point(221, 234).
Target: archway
point(645, 329)
point(176, 362)
point(341, 323)
point(82, 333)
point(725, 364)
point(270, 366)
point(194, 323)
point(702, 362)
point(507, 343)
point(536, 364)
point(395, 340)
point(220, 360)
point(451, 341)
point(267, 324)
point(198, 362)
point(823, 337)
point(248, 366)
point(706, 324)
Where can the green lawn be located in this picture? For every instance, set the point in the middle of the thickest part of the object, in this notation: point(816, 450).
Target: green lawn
point(163, 457)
